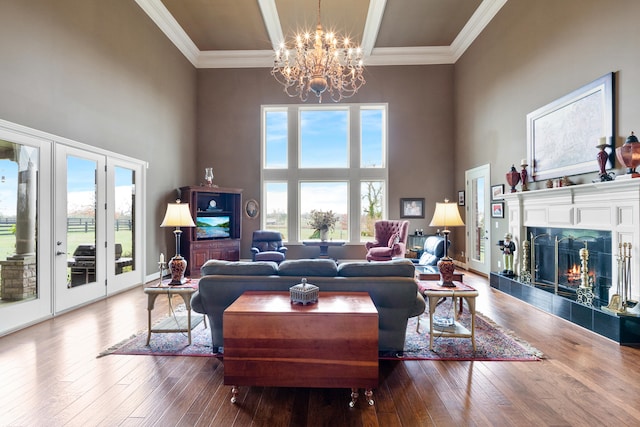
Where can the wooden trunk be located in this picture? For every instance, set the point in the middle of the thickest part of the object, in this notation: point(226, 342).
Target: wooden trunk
point(270, 342)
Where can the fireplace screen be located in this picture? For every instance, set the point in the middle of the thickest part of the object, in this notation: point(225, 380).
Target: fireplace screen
point(570, 262)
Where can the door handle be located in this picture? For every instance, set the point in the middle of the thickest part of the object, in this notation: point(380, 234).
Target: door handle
point(60, 253)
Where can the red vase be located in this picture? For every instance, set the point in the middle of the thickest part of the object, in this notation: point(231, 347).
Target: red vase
point(629, 155)
point(513, 178)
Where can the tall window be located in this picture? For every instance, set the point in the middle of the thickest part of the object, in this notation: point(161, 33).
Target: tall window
point(324, 158)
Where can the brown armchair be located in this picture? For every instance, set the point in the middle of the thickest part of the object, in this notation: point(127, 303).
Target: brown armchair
point(390, 240)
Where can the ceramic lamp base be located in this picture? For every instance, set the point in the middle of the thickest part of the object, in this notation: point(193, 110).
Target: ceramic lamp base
point(177, 266)
point(446, 267)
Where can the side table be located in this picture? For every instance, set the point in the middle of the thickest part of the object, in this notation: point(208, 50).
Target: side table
point(434, 292)
point(324, 245)
point(171, 324)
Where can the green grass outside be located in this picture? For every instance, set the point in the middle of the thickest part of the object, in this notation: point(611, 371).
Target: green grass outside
point(124, 237)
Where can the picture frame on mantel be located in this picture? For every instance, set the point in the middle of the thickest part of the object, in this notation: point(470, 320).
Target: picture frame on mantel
point(562, 136)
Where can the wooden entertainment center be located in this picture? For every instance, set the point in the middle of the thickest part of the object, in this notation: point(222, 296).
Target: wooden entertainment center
point(217, 214)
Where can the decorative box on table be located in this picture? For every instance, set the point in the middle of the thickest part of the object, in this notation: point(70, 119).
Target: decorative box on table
point(304, 293)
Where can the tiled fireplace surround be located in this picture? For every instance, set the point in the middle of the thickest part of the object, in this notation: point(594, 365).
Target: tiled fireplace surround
point(609, 206)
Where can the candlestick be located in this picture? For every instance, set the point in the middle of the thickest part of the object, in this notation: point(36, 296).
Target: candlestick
point(161, 258)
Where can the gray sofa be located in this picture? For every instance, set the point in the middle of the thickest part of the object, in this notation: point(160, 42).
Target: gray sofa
point(391, 285)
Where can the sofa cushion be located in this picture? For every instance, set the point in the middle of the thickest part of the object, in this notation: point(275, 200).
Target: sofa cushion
point(239, 268)
point(394, 268)
point(308, 267)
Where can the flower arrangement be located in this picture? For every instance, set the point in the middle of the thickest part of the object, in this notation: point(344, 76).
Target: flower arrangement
point(322, 221)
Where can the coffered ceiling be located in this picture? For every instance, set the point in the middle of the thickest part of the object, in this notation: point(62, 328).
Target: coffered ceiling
point(242, 33)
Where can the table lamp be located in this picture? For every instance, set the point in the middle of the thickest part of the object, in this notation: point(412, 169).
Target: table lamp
point(446, 215)
point(177, 215)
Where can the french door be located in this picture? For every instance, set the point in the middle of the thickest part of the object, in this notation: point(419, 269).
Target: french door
point(98, 234)
point(71, 224)
point(80, 235)
point(478, 222)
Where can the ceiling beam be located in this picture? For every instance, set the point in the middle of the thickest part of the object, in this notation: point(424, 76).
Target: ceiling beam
point(372, 26)
point(272, 22)
point(170, 27)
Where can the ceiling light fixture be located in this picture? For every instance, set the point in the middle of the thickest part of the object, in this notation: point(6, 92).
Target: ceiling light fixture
point(318, 64)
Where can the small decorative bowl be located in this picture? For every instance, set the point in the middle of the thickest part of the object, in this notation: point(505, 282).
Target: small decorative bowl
point(304, 293)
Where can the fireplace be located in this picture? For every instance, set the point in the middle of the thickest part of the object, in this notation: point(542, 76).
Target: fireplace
point(602, 215)
point(558, 257)
point(551, 227)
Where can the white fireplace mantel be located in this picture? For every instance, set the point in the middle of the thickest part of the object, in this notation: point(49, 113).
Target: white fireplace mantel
point(610, 206)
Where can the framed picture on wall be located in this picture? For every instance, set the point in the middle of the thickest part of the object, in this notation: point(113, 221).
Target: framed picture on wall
point(497, 191)
point(497, 210)
point(252, 208)
point(412, 208)
point(460, 198)
point(562, 135)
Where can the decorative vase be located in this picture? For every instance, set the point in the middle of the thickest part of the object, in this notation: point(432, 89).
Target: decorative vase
point(208, 176)
point(524, 175)
point(602, 158)
point(513, 178)
point(324, 234)
point(629, 155)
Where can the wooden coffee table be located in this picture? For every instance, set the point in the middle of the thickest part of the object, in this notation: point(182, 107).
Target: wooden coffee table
point(272, 343)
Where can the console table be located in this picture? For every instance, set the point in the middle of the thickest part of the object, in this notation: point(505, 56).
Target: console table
point(270, 342)
point(324, 245)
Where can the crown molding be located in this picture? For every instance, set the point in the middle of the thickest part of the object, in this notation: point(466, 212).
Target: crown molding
point(235, 59)
point(418, 55)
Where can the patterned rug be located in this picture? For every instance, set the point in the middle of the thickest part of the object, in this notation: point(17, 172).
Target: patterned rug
point(492, 342)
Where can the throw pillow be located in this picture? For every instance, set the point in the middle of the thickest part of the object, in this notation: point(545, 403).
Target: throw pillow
point(393, 239)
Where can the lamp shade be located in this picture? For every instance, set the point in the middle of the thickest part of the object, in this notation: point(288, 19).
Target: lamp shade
point(177, 215)
point(446, 215)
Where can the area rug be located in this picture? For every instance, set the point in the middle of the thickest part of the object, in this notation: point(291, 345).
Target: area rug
point(493, 343)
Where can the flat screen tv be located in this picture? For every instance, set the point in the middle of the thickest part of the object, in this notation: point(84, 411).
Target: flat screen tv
point(213, 227)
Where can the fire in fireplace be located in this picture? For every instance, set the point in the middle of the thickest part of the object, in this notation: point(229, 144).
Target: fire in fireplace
point(559, 255)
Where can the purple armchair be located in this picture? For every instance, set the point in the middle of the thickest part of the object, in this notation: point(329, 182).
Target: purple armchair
point(390, 240)
point(267, 246)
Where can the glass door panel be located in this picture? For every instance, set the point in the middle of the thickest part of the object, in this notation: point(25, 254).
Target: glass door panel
point(80, 227)
point(124, 236)
point(23, 298)
point(478, 253)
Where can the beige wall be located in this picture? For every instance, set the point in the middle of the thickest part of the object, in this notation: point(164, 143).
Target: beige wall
point(420, 135)
point(101, 73)
point(532, 53)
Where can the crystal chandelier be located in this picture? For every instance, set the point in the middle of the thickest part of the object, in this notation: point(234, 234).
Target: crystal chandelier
point(318, 64)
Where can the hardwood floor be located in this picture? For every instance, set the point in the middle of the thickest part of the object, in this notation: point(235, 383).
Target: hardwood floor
point(51, 377)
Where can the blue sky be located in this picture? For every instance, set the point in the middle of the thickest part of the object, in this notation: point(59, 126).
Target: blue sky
point(324, 143)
